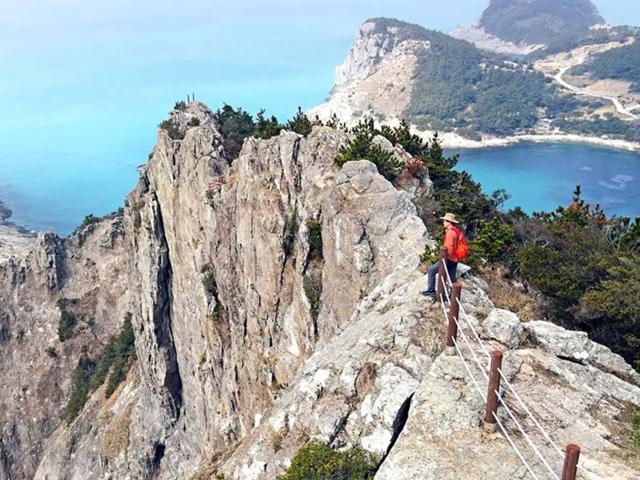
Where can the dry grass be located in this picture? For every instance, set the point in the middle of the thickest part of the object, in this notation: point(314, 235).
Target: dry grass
point(431, 336)
point(366, 379)
point(512, 296)
point(116, 438)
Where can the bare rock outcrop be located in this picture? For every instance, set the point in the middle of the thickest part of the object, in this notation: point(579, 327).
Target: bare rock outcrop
point(274, 298)
point(36, 366)
point(574, 402)
point(382, 59)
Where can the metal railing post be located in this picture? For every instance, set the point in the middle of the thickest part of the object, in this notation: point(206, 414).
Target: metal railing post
point(442, 274)
point(454, 311)
point(490, 423)
point(571, 457)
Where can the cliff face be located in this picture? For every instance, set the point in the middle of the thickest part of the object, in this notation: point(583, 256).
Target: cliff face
point(376, 77)
point(87, 272)
point(250, 337)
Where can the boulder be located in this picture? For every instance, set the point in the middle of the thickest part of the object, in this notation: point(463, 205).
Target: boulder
point(576, 346)
point(503, 326)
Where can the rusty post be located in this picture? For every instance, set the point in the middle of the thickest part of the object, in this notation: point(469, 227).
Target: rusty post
point(442, 275)
point(454, 311)
point(571, 457)
point(490, 423)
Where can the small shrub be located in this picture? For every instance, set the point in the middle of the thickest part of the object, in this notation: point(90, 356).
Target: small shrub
point(289, 233)
point(416, 168)
point(194, 122)
point(207, 475)
point(208, 279)
point(180, 106)
point(335, 123)
point(86, 221)
point(315, 239)
point(20, 334)
point(81, 377)
point(312, 285)
point(235, 126)
point(430, 255)
point(360, 147)
point(300, 123)
point(494, 242)
point(266, 127)
point(68, 322)
point(89, 376)
point(172, 129)
point(316, 461)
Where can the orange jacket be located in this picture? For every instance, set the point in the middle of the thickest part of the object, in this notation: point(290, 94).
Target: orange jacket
point(451, 242)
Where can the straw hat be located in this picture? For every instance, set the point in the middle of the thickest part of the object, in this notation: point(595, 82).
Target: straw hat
point(449, 217)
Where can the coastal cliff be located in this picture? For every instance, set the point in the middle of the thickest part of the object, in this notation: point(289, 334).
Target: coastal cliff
point(274, 297)
point(480, 90)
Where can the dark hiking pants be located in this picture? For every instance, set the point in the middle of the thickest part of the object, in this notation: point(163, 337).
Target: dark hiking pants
point(452, 267)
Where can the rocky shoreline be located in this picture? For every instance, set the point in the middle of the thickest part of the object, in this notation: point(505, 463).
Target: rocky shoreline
point(5, 211)
point(15, 240)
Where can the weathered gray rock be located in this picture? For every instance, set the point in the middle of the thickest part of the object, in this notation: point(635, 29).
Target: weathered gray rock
point(576, 345)
point(442, 438)
point(248, 342)
point(503, 326)
point(35, 371)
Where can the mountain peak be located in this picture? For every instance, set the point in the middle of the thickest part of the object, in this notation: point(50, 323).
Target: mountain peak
point(538, 21)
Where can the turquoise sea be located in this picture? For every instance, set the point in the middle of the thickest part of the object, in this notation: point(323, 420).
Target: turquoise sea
point(97, 174)
point(84, 84)
point(543, 176)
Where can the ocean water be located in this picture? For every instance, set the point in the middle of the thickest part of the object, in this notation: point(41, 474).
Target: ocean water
point(90, 173)
point(544, 176)
point(84, 85)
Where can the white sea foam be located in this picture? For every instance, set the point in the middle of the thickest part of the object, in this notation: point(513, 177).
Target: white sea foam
point(619, 182)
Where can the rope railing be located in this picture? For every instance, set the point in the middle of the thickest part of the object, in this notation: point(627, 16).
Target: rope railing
point(526, 436)
point(493, 375)
point(479, 390)
point(466, 341)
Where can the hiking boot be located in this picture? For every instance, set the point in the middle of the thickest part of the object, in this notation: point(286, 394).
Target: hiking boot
point(431, 295)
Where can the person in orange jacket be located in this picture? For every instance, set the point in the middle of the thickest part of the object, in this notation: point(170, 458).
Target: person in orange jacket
point(453, 238)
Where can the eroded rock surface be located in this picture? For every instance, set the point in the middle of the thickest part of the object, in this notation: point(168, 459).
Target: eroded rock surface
point(251, 338)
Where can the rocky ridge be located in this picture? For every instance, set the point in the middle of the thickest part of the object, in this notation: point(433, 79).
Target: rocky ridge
point(235, 367)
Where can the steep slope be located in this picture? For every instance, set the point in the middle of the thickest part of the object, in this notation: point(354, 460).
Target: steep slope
point(87, 273)
point(250, 337)
point(396, 70)
point(214, 356)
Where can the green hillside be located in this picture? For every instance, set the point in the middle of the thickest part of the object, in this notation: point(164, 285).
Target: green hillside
point(458, 87)
point(620, 64)
point(539, 21)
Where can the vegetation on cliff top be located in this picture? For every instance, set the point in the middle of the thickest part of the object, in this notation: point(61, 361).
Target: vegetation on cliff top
point(458, 87)
point(586, 264)
point(361, 147)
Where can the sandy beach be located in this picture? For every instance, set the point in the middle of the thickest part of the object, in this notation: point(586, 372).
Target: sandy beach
point(452, 140)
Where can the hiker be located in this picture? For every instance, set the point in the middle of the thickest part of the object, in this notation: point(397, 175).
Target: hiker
point(456, 246)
